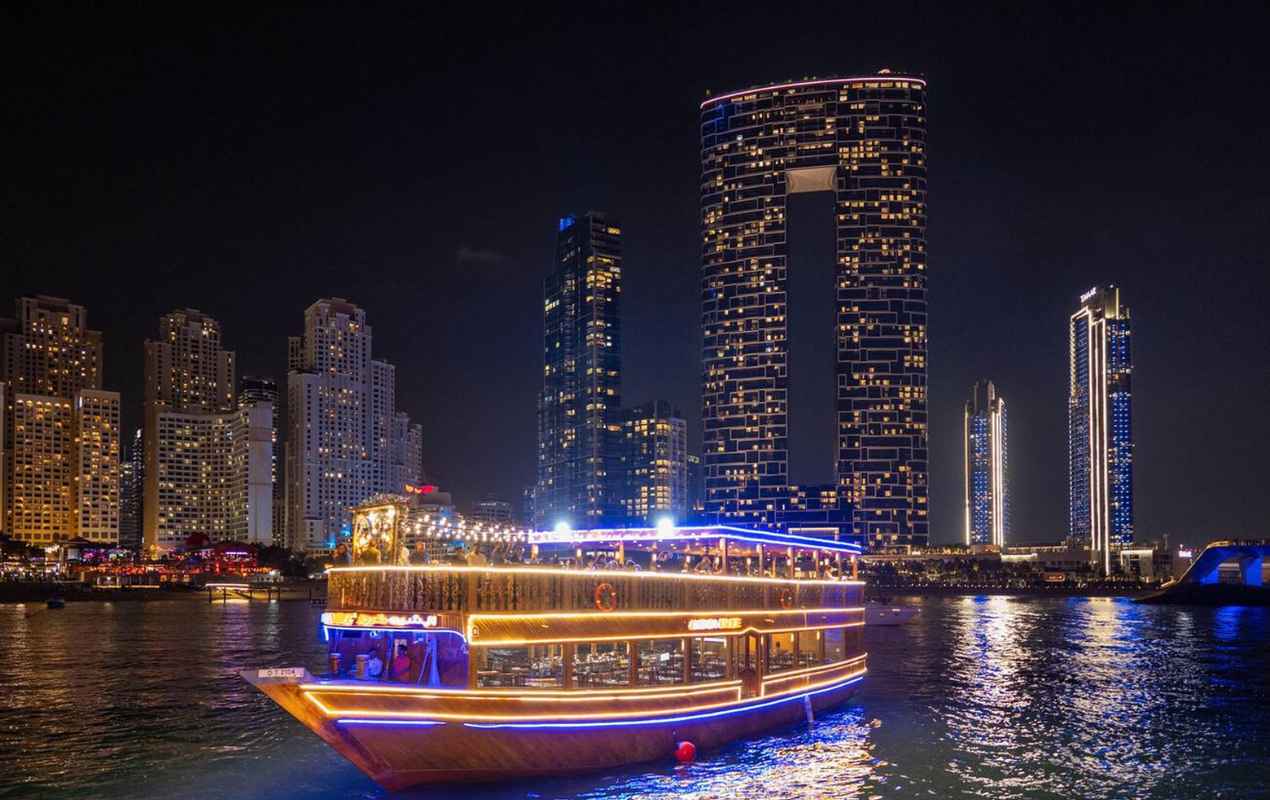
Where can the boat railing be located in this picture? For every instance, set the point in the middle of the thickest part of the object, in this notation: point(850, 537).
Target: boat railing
point(523, 589)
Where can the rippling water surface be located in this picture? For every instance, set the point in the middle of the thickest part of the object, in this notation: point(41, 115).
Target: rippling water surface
point(980, 697)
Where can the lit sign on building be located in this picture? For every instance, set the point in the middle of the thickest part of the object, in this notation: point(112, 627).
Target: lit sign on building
point(425, 489)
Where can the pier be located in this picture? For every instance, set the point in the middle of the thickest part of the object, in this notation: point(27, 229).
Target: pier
point(223, 591)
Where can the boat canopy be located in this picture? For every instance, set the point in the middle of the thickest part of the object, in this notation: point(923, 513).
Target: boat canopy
point(744, 538)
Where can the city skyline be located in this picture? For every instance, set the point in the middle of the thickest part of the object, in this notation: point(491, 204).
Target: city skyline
point(1025, 222)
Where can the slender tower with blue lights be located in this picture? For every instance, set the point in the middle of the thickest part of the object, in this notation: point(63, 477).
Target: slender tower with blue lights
point(1100, 430)
point(986, 499)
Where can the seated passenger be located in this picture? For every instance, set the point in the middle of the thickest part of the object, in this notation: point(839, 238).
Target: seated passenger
point(400, 665)
point(374, 666)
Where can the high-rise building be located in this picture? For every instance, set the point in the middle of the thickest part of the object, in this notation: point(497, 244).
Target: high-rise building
point(816, 510)
point(527, 515)
point(696, 486)
point(582, 375)
point(789, 170)
point(207, 456)
point(404, 453)
point(252, 390)
point(42, 507)
point(1099, 424)
point(49, 350)
point(654, 465)
point(987, 507)
point(60, 430)
point(131, 492)
point(345, 440)
point(98, 445)
point(492, 511)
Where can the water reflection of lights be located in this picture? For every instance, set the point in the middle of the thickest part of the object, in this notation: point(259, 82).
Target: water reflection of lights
point(989, 699)
point(835, 757)
point(993, 698)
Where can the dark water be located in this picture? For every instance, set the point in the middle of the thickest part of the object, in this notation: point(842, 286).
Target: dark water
point(986, 697)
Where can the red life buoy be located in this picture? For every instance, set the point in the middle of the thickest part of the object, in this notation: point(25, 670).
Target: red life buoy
point(605, 597)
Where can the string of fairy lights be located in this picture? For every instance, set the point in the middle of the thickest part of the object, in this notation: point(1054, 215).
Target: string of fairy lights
point(458, 527)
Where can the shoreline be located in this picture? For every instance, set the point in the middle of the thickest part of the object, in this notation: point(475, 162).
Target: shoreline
point(40, 592)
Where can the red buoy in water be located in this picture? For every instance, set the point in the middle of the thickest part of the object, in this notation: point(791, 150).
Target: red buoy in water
point(685, 752)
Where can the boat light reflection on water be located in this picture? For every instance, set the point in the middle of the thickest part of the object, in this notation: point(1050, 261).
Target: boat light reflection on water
point(918, 727)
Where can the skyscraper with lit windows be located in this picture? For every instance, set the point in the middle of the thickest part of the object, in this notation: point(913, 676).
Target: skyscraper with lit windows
point(1100, 430)
point(785, 401)
point(59, 428)
point(654, 467)
point(208, 452)
point(345, 439)
point(578, 411)
point(987, 510)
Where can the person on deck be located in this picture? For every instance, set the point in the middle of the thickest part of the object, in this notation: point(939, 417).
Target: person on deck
point(374, 666)
point(400, 665)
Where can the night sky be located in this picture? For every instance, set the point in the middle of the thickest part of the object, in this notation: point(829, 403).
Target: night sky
point(416, 164)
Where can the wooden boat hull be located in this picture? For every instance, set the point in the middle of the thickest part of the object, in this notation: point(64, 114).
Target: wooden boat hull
point(399, 750)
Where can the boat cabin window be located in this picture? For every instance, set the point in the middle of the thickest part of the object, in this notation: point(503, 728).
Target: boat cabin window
point(539, 666)
point(601, 664)
point(801, 649)
point(417, 658)
point(661, 661)
point(709, 659)
point(782, 653)
point(809, 654)
point(835, 644)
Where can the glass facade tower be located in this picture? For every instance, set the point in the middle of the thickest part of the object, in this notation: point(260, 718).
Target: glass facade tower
point(654, 467)
point(861, 140)
point(578, 412)
point(987, 507)
point(1100, 431)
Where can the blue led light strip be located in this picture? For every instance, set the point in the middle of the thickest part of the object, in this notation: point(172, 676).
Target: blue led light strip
point(661, 720)
point(596, 535)
point(418, 723)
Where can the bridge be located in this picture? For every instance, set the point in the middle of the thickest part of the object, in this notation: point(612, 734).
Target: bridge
point(1201, 585)
point(1250, 555)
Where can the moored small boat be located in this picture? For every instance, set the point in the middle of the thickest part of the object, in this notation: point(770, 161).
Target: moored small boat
point(888, 614)
point(457, 672)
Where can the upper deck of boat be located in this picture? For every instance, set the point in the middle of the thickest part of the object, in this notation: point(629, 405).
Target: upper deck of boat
point(709, 568)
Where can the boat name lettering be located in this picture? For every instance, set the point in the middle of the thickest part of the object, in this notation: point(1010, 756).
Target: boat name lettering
point(281, 672)
point(714, 624)
point(397, 620)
